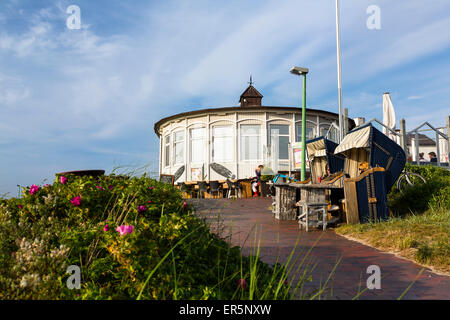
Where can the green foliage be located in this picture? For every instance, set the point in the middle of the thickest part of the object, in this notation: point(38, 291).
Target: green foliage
point(267, 177)
point(435, 193)
point(170, 254)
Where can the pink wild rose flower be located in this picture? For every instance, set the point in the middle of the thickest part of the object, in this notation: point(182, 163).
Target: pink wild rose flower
point(141, 209)
point(123, 230)
point(63, 180)
point(33, 189)
point(76, 201)
point(106, 228)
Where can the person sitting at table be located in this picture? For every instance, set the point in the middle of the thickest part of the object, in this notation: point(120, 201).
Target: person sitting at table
point(327, 174)
point(421, 158)
point(433, 157)
point(257, 180)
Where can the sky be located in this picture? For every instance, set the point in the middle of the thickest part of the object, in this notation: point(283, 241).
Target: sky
point(88, 98)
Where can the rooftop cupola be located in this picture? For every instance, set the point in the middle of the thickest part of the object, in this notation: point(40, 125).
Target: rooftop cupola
point(250, 97)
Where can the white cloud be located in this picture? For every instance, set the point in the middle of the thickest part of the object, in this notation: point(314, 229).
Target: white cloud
point(415, 97)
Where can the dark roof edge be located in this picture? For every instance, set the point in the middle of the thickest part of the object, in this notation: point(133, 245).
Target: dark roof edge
point(249, 108)
point(250, 87)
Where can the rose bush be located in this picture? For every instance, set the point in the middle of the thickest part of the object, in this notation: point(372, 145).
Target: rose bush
point(131, 236)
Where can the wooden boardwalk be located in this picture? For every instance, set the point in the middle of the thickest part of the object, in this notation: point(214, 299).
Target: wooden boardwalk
point(278, 238)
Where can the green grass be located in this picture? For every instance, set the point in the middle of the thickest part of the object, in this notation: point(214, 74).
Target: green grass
point(420, 230)
point(424, 238)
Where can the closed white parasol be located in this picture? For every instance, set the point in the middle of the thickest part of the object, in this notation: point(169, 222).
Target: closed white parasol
point(388, 116)
point(443, 147)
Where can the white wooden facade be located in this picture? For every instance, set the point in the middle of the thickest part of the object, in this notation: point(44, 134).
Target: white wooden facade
point(230, 122)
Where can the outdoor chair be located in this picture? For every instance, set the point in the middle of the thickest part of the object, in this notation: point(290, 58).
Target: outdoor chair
point(187, 189)
point(202, 188)
point(313, 213)
point(214, 186)
point(234, 186)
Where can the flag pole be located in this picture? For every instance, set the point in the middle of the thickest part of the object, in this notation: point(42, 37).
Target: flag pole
point(338, 48)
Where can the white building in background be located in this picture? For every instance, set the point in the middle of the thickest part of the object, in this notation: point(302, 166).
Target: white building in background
point(238, 138)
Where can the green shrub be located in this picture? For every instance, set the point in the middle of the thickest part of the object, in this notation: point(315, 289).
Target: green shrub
point(424, 253)
point(441, 200)
point(169, 253)
point(267, 177)
point(434, 193)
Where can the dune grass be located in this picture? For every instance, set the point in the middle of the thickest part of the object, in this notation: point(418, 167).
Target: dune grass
point(423, 238)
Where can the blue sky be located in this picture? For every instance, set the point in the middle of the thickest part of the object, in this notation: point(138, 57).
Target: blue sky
point(88, 98)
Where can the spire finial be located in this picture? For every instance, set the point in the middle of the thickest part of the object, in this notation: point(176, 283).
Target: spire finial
point(251, 82)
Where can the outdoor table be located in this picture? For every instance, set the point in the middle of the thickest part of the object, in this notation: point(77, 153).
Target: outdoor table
point(246, 188)
point(286, 196)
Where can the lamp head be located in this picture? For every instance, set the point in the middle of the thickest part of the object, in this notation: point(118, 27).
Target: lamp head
point(299, 71)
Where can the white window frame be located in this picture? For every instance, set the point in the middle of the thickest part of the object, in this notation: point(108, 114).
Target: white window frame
point(181, 143)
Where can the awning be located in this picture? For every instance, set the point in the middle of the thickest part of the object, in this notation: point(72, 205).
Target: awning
point(314, 147)
point(320, 153)
point(358, 139)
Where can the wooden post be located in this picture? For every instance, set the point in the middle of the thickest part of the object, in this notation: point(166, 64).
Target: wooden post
point(284, 201)
point(403, 140)
point(345, 121)
point(307, 216)
point(324, 218)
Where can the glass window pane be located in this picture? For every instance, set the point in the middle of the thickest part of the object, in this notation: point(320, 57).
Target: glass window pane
point(250, 142)
point(179, 152)
point(167, 156)
point(197, 150)
point(250, 130)
point(282, 129)
point(167, 150)
point(223, 143)
point(223, 131)
point(178, 147)
point(283, 147)
point(197, 144)
point(179, 136)
point(197, 133)
point(223, 149)
point(309, 132)
point(283, 139)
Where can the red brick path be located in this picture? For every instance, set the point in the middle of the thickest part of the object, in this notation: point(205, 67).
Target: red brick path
point(278, 238)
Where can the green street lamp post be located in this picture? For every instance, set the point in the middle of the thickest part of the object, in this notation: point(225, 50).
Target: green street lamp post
point(302, 72)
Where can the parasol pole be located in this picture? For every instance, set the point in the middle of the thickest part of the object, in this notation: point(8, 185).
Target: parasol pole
point(338, 48)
